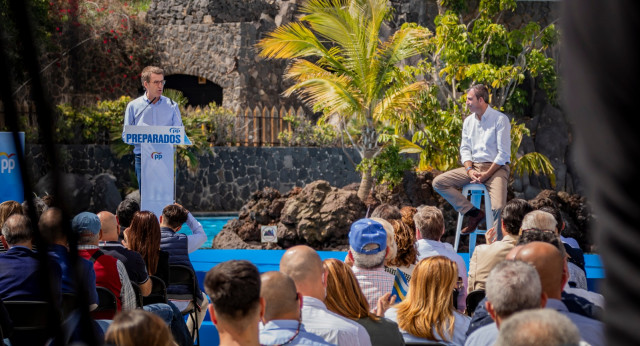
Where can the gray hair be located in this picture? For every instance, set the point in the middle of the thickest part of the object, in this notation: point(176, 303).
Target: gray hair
point(538, 327)
point(88, 238)
point(513, 286)
point(539, 219)
point(365, 261)
point(17, 229)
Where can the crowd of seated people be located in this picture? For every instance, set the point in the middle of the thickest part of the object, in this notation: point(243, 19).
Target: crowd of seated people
point(308, 301)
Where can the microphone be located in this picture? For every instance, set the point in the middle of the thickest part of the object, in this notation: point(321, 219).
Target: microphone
point(135, 118)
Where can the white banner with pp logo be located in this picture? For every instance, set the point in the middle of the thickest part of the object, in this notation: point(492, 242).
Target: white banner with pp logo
point(11, 188)
point(158, 188)
point(157, 162)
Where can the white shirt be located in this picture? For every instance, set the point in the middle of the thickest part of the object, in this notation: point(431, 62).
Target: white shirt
point(486, 140)
point(330, 326)
point(429, 248)
point(195, 240)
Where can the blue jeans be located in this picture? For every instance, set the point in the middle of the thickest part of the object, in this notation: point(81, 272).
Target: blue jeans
point(173, 317)
point(137, 163)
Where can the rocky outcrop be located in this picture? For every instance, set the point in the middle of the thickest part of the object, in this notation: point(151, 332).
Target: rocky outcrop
point(318, 215)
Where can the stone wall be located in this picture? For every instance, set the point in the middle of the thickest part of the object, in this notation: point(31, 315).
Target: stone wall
point(223, 180)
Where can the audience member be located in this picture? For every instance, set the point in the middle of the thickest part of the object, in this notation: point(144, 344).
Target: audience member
point(179, 246)
point(138, 327)
point(345, 298)
point(538, 327)
point(512, 286)
point(367, 250)
point(22, 277)
point(39, 204)
point(124, 214)
point(8, 208)
point(407, 252)
point(407, 213)
point(110, 272)
point(427, 313)
point(52, 230)
point(577, 271)
point(386, 211)
point(148, 241)
point(143, 236)
point(236, 307)
point(304, 266)
point(429, 230)
point(485, 256)
point(132, 260)
point(551, 266)
point(282, 317)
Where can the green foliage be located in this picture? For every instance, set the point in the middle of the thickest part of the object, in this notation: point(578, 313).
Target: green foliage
point(388, 167)
point(306, 134)
point(217, 125)
point(177, 96)
point(530, 163)
point(95, 124)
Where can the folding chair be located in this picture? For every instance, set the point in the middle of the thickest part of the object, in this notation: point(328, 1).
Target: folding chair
point(158, 292)
point(138, 292)
point(107, 304)
point(183, 275)
point(30, 322)
point(473, 298)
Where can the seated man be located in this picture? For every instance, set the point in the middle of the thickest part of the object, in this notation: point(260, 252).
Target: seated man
point(236, 306)
point(179, 246)
point(282, 315)
point(429, 223)
point(23, 277)
point(367, 250)
point(512, 286)
point(485, 256)
point(50, 225)
point(110, 272)
point(304, 266)
point(539, 327)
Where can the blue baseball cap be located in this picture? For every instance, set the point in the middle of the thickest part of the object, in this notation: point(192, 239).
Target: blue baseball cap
point(86, 221)
point(364, 232)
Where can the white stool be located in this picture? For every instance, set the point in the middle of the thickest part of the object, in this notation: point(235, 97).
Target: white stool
point(477, 191)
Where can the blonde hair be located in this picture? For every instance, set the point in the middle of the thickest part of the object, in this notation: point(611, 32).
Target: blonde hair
point(429, 301)
point(8, 208)
point(138, 327)
point(344, 295)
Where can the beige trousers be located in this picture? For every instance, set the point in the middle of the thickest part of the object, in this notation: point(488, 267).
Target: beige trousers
point(450, 183)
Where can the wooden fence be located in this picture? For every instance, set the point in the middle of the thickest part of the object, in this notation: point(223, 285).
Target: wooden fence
point(254, 127)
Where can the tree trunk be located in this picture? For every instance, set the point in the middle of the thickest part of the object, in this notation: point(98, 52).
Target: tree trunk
point(365, 185)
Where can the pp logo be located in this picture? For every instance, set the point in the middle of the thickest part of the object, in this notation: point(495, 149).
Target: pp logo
point(174, 130)
point(156, 155)
point(7, 162)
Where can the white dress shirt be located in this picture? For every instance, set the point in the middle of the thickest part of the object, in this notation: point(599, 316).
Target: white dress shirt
point(486, 140)
point(330, 326)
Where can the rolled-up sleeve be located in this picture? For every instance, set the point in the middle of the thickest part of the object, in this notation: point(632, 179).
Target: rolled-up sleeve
point(198, 237)
point(503, 137)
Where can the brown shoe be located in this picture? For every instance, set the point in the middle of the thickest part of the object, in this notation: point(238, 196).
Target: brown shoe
point(472, 222)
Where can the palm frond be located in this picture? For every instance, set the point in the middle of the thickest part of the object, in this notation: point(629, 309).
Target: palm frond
point(292, 40)
point(534, 163)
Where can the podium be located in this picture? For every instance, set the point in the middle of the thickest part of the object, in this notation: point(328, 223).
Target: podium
point(157, 166)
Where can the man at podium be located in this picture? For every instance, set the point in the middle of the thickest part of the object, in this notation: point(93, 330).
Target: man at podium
point(151, 109)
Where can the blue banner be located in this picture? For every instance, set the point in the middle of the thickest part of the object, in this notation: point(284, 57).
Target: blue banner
point(11, 188)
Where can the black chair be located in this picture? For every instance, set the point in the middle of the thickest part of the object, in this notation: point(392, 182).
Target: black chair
point(69, 303)
point(158, 292)
point(138, 293)
point(31, 322)
point(183, 275)
point(107, 304)
point(473, 298)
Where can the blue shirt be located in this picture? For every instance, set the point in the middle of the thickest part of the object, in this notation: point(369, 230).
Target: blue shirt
point(487, 139)
point(591, 331)
point(278, 332)
point(484, 336)
point(141, 112)
point(460, 326)
point(21, 277)
point(61, 255)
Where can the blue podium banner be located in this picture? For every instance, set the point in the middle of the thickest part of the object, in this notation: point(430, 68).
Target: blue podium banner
point(11, 188)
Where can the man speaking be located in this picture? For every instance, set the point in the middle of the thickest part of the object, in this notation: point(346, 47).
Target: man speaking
point(151, 109)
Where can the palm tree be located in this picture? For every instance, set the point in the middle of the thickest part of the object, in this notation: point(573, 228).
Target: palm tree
point(342, 67)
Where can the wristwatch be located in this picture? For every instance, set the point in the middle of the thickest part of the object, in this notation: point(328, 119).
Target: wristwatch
point(469, 168)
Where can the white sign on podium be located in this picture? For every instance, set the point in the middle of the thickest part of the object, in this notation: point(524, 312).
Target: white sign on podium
point(157, 153)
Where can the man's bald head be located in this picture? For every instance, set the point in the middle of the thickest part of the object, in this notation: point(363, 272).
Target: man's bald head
point(511, 255)
point(280, 296)
point(304, 266)
point(549, 264)
point(108, 226)
point(51, 227)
